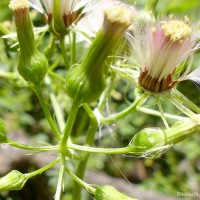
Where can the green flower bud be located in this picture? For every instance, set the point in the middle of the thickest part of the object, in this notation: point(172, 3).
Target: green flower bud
point(34, 68)
point(107, 192)
point(148, 142)
point(14, 180)
point(33, 65)
point(3, 132)
point(86, 82)
point(152, 141)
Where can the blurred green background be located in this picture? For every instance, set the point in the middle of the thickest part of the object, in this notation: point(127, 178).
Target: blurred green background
point(176, 171)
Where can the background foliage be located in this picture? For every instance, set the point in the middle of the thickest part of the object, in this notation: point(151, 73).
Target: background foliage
point(176, 171)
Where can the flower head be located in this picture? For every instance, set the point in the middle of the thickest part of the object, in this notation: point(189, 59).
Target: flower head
point(93, 20)
point(160, 49)
point(71, 11)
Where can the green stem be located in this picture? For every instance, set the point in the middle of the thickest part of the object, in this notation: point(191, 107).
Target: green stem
point(8, 76)
point(41, 170)
point(58, 111)
point(80, 172)
point(52, 123)
point(181, 107)
point(29, 147)
point(69, 124)
point(106, 93)
point(49, 50)
point(80, 182)
point(3, 30)
point(114, 117)
point(157, 113)
point(93, 125)
point(57, 25)
point(63, 51)
point(182, 98)
point(185, 129)
point(73, 48)
point(151, 5)
point(162, 112)
point(122, 150)
point(56, 107)
point(56, 76)
point(60, 182)
point(55, 63)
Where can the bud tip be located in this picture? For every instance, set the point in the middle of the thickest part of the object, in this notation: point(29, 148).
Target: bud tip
point(18, 4)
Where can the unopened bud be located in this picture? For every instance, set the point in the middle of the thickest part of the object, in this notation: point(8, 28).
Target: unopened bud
point(149, 141)
point(14, 180)
point(107, 192)
point(152, 141)
point(32, 64)
point(86, 82)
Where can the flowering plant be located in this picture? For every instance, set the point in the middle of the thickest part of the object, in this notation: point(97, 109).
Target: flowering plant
point(160, 55)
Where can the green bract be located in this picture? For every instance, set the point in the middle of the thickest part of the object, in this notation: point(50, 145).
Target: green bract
point(2, 132)
point(84, 86)
point(107, 192)
point(14, 180)
point(34, 67)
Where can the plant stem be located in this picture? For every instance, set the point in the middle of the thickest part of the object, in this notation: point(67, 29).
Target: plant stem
point(162, 112)
point(56, 76)
point(62, 146)
point(69, 124)
point(80, 172)
point(29, 147)
point(157, 113)
point(73, 48)
point(56, 107)
point(63, 50)
point(114, 117)
point(52, 123)
point(41, 170)
point(122, 150)
point(80, 182)
point(151, 5)
point(185, 129)
point(55, 63)
point(60, 182)
point(106, 93)
point(180, 106)
point(182, 98)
